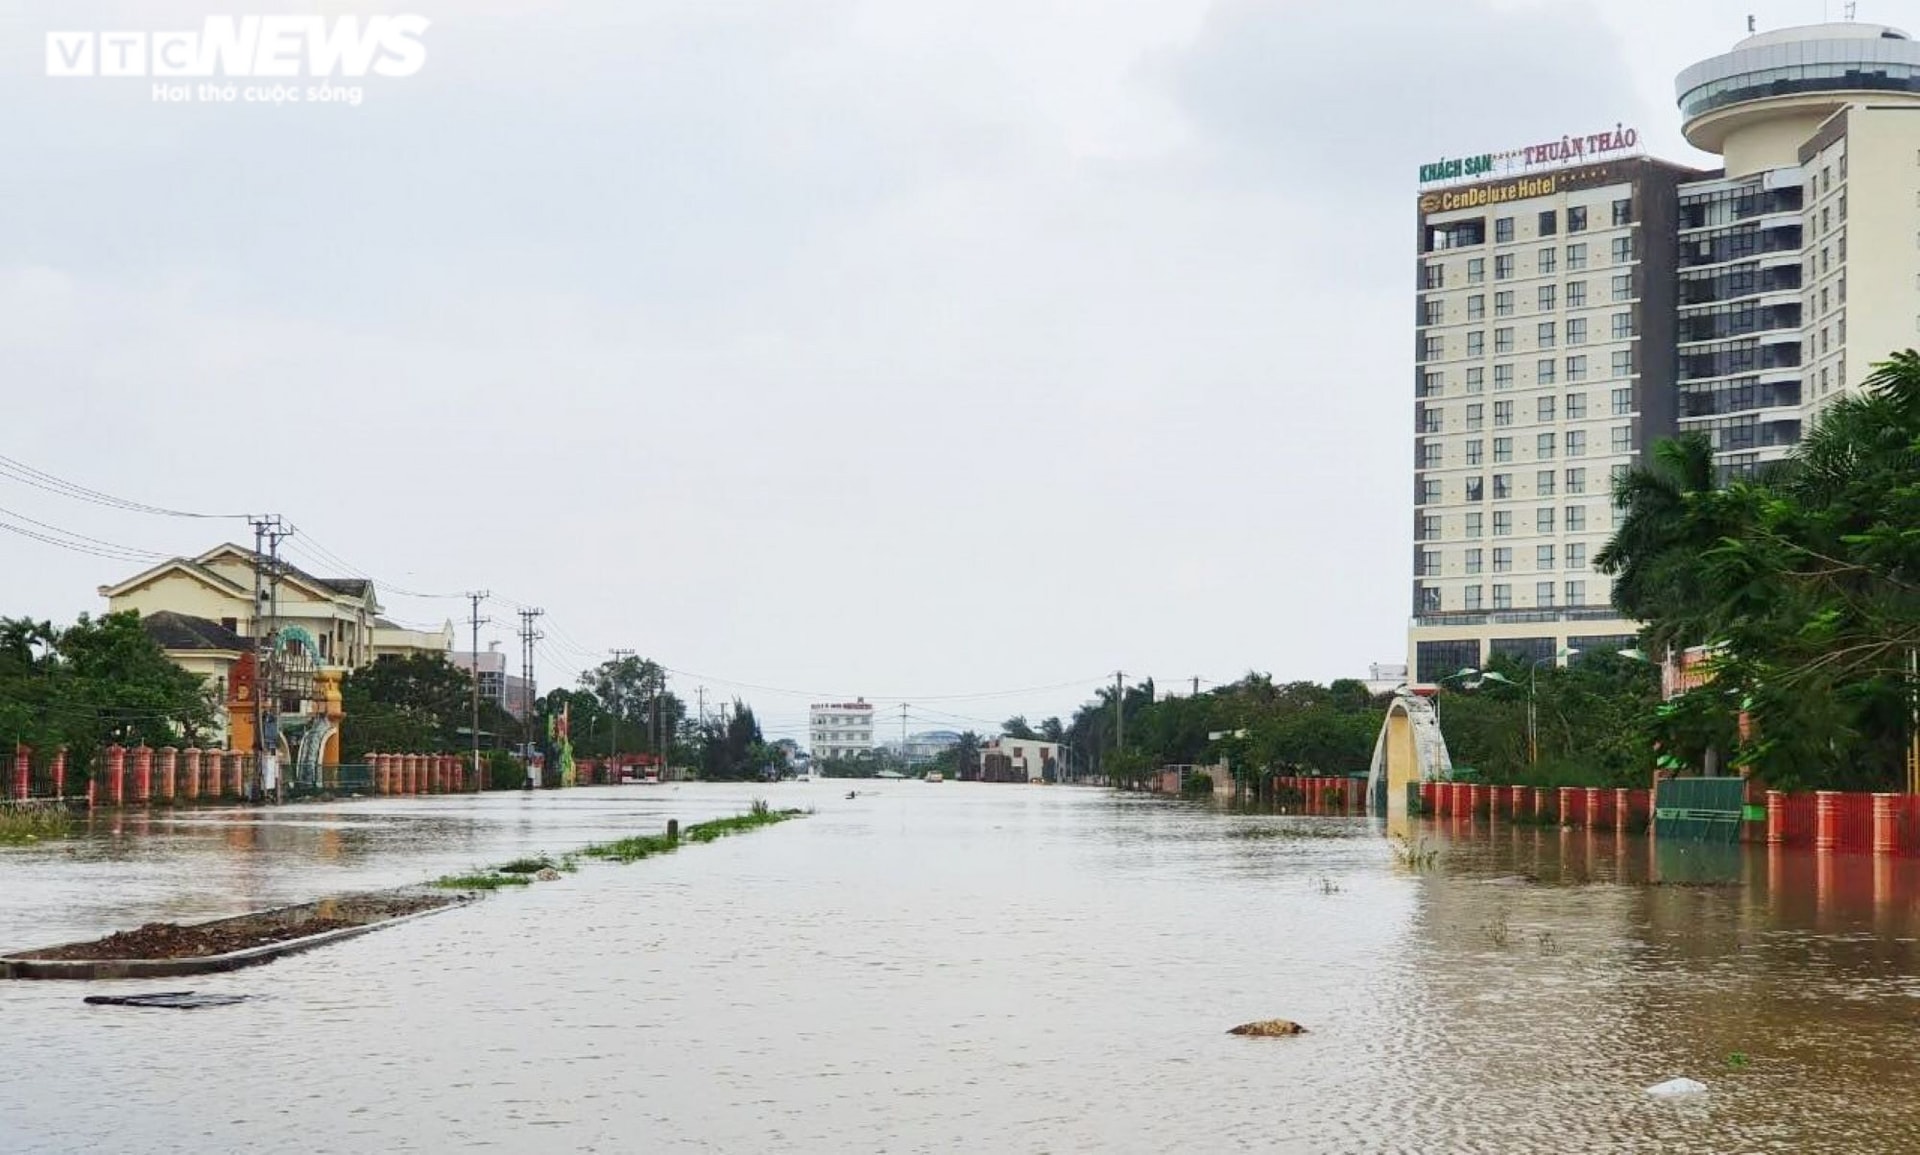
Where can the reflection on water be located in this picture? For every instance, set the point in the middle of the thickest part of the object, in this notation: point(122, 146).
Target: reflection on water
point(980, 968)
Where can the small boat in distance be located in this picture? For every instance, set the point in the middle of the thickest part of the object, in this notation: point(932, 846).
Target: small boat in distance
point(935, 776)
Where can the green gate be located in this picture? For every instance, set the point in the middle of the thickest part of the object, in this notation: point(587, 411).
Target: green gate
point(1699, 809)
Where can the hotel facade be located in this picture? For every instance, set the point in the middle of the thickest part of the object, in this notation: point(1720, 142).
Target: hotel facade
point(1575, 303)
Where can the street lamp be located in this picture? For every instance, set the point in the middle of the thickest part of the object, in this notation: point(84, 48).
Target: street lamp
point(1533, 671)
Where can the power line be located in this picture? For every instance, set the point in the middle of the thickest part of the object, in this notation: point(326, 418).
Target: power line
point(40, 479)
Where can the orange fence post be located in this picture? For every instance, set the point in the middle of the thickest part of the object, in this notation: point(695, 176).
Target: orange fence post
point(60, 772)
point(22, 770)
point(169, 771)
point(1826, 819)
point(1886, 823)
point(117, 775)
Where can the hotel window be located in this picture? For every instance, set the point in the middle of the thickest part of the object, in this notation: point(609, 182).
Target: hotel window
point(1473, 451)
point(1475, 528)
point(1576, 555)
point(1545, 335)
point(1502, 413)
point(1622, 439)
point(1503, 303)
point(1503, 267)
point(1576, 480)
point(1576, 593)
point(1617, 474)
point(1543, 519)
point(1576, 294)
point(1623, 287)
point(1503, 559)
point(1622, 250)
point(1577, 364)
point(1543, 447)
point(1576, 443)
point(1502, 377)
point(1576, 256)
point(1543, 483)
point(1476, 343)
point(1432, 383)
point(1622, 326)
point(1843, 207)
point(1431, 454)
point(1547, 261)
point(1549, 223)
point(1476, 379)
point(1473, 597)
point(1432, 420)
point(1429, 563)
point(1544, 298)
point(1543, 558)
point(1476, 270)
point(1502, 597)
point(1476, 415)
point(1502, 231)
point(1433, 312)
point(1476, 488)
point(1623, 362)
point(1429, 527)
point(1576, 406)
point(1577, 219)
point(1433, 348)
point(1473, 560)
point(1543, 407)
point(1543, 594)
point(1502, 491)
point(1622, 212)
point(1543, 372)
point(1576, 519)
point(1476, 306)
point(1502, 450)
point(1576, 330)
point(1622, 402)
point(1503, 340)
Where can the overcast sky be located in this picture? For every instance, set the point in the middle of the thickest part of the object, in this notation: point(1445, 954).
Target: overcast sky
point(921, 349)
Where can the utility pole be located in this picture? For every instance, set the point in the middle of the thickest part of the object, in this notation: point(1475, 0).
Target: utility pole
point(663, 741)
point(1196, 685)
point(528, 636)
point(268, 531)
point(613, 743)
point(903, 735)
point(1119, 711)
point(473, 671)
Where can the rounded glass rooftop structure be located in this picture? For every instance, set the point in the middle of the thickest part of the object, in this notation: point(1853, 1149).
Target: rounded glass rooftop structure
point(1795, 71)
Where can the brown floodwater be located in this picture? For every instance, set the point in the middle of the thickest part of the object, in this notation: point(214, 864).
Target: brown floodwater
point(974, 968)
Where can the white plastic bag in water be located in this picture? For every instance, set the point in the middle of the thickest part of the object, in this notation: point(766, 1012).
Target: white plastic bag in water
point(1675, 1088)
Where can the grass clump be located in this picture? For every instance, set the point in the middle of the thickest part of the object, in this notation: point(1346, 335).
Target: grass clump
point(647, 845)
point(22, 822)
point(527, 866)
point(484, 881)
point(1412, 854)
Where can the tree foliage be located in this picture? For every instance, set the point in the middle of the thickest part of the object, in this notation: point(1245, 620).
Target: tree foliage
point(1803, 582)
point(96, 683)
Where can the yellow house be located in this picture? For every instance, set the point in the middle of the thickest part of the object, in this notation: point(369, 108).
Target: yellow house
point(202, 612)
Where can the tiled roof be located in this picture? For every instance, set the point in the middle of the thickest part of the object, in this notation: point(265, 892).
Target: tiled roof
point(172, 631)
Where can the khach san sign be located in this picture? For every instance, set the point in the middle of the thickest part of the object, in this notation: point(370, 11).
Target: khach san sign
point(1566, 150)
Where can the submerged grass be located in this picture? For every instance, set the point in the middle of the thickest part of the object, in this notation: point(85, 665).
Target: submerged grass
point(647, 845)
point(481, 881)
point(33, 821)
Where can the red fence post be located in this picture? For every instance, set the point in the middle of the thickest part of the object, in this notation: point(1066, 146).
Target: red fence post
point(117, 775)
point(1886, 823)
point(1826, 819)
point(22, 770)
point(1776, 818)
point(60, 772)
point(1590, 807)
point(143, 774)
point(169, 772)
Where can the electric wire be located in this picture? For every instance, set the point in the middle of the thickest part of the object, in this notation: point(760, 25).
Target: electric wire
point(40, 479)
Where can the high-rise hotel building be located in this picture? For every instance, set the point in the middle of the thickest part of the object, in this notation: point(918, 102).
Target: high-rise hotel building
point(1573, 309)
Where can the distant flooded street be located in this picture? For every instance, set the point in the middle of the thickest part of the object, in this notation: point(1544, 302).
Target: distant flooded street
point(974, 968)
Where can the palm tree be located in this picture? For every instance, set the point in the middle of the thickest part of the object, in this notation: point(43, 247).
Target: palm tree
point(1651, 554)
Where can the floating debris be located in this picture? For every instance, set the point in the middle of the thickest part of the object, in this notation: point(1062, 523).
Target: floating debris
point(1269, 1029)
point(173, 1000)
point(1677, 1088)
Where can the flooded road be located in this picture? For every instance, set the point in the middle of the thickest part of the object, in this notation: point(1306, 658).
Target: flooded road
point(976, 968)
